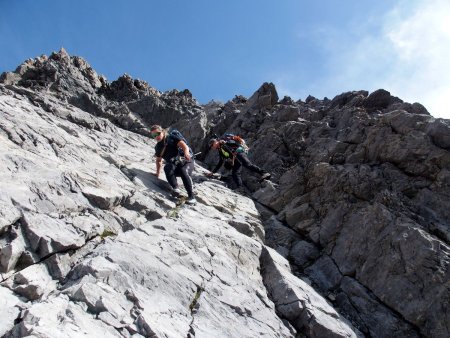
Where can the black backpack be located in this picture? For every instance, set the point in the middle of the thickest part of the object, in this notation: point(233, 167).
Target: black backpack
point(173, 137)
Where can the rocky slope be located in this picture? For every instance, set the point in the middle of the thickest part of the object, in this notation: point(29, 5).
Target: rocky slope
point(351, 237)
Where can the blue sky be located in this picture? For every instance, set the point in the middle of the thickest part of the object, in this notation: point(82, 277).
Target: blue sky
point(218, 49)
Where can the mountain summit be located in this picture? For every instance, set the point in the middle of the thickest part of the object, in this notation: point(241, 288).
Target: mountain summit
point(349, 239)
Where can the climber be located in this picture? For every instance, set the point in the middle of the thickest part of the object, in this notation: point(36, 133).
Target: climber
point(232, 154)
point(172, 147)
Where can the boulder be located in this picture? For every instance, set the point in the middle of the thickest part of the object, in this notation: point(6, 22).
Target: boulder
point(306, 310)
point(9, 310)
point(32, 283)
point(265, 96)
point(379, 100)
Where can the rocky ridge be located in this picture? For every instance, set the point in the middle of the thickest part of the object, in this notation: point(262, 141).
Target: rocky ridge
point(350, 239)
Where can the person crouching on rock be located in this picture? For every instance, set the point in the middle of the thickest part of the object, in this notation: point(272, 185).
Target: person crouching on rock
point(172, 147)
point(234, 157)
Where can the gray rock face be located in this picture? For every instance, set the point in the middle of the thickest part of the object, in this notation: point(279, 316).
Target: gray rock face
point(90, 242)
point(129, 103)
point(361, 181)
point(299, 303)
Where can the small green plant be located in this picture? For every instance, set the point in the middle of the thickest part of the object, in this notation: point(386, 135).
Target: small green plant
point(196, 297)
point(107, 233)
point(174, 213)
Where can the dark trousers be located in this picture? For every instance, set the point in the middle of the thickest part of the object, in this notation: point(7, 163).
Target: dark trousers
point(240, 161)
point(184, 171)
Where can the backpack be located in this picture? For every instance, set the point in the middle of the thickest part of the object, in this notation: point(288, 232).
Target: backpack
point(236, 142)
point(174, 134)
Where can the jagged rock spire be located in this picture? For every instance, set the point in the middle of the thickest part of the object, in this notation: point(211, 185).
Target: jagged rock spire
point(265, 96)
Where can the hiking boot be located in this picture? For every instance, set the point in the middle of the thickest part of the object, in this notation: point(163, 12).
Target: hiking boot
point(191, 201)
point(176, 192)
point(266, 176)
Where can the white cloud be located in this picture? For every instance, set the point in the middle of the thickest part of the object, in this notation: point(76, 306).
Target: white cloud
point(406, 51)
point(421, 45)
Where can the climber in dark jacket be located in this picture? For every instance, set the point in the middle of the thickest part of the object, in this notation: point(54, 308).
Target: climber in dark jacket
point(233, 155)
point(168, 147)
